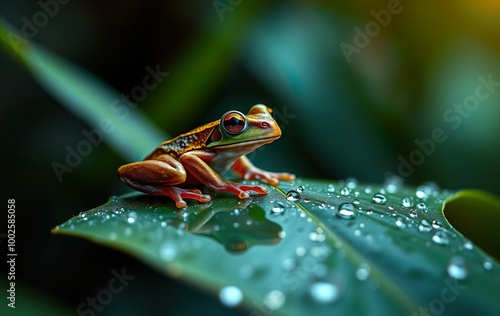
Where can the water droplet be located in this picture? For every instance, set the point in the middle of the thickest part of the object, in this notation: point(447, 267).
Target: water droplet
point(413, 214)
point(345, 191)
point(407, 201)
point(424, 226)
point(368, 189)
point(363, 272)
point(278, 208)
point(274, 300)
point(422, 207)
point(114, 199)
point(379, 198)
point(468, 245)
point(351, 183)
point(441, 238)
point(356, 202)
point(346, 211)
point(230, 296)
point(300, 188)
point(457, 268)
point(168, 251)
point(300, 251)
point(488, 264)
point(324, 292)
point(293, 196)
point(423, 192)
point(306, 200)
point(132, 217)
point(436, 224)
point(330, 188)
point(400, 222)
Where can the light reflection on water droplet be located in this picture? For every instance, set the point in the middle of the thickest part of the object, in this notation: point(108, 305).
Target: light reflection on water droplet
point(278, 208)
point(422, 207)
point(351, 183)
point(424, 226)
point(300, 188)
point(436, 224)
point(407, 201)
point(346, 211)
point(288, 264)
point(441, 238)
point(468, 245)
point(168, 251)
point(400, 222)
point(330, 188)
point(363, 272)
point(379, 198)
point(132, 217)
point(230, 296)
point(457, 268)
point(293, 196)
point(345, 191)
point(413, 214)
point(274, 300)
point(368, 189)
point(488, 264)
point(423, 192)
point(324, 292)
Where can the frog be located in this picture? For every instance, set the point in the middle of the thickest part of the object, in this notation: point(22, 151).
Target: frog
point(178, 167)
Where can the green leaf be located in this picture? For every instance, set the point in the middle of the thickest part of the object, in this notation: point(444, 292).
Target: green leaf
point(329, 248)
point(120, 124)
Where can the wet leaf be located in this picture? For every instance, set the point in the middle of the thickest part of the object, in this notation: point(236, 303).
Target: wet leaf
point(308, 247)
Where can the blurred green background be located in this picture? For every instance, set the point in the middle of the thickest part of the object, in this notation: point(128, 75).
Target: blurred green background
point(356, 85)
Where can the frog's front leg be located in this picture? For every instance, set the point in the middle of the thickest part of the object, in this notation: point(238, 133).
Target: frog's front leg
point(157, 177)
point(246, 170)
point(196, 163)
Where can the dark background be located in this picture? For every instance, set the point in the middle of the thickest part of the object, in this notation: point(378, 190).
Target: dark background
point(345, 119)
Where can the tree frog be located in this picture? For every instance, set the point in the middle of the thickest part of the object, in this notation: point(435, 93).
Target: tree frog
point(200, 156)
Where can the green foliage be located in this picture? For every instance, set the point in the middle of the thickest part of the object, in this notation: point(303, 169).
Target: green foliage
point(308, 247)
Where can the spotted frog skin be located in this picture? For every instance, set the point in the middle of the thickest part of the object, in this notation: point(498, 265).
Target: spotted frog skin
point(202, 155)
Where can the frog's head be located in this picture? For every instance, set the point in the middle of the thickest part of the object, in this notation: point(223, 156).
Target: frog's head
point(250, 131)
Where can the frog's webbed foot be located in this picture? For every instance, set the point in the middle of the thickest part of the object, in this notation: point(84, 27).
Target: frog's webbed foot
point(179, 194)
point(237, 188)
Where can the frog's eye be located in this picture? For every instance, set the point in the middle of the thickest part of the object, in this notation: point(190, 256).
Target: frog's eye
point(233, 122)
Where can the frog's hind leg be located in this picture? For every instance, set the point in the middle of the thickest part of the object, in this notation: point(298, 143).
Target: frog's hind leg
point(157, 177)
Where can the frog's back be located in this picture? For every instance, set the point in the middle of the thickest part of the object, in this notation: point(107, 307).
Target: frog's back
point(192, 140)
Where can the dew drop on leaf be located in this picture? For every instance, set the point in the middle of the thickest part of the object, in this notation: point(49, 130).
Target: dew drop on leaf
point(278, 208)
point(488, 264)
point(441, 238)
point(274, 300)
point(379, 198)
point(132, 217)
point(407, 201)
point(363, 272)
point(457, 268)
point(345, 191)
point(422, 207)
point(293, 196)
point(400, 222)
point(468, 245)
point(168, 251)
point(346, 211)
point(424, 226)
point(413, 214)
point(230, 296)
point(324, 292)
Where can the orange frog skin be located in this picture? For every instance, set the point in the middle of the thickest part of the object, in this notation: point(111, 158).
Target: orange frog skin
point(200, 156)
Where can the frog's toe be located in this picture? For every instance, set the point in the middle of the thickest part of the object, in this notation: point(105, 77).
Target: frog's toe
point(178, 195)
